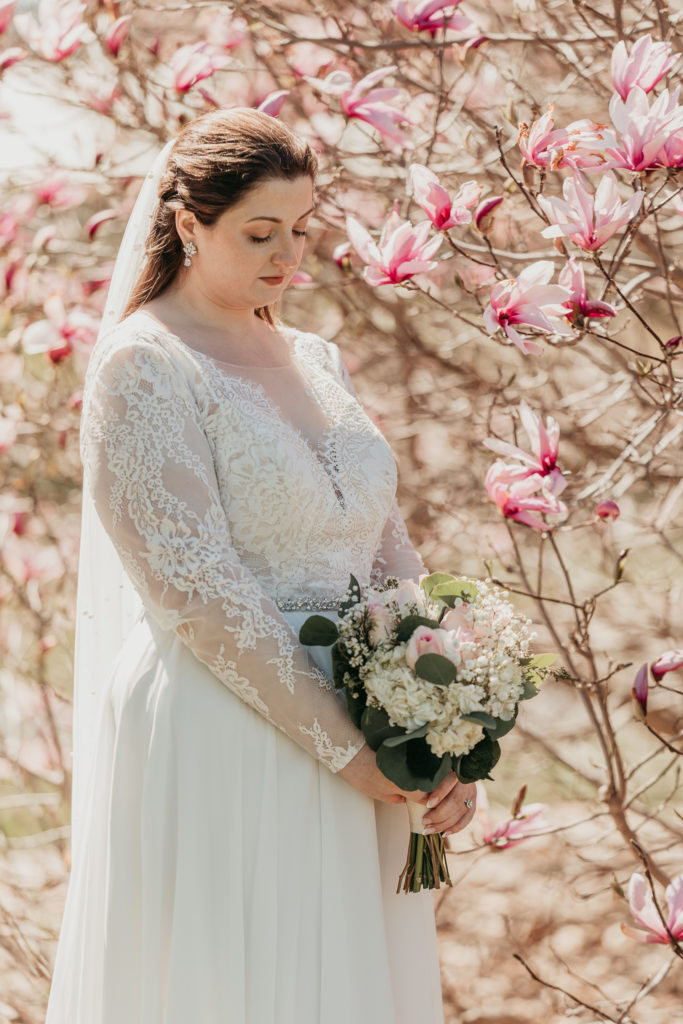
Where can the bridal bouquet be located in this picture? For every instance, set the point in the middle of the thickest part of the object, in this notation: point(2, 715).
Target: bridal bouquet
point(433, 676)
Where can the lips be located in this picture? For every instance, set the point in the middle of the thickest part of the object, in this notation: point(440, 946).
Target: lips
point(274, 280)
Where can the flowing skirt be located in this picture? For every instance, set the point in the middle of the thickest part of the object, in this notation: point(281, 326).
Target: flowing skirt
point(225, 876)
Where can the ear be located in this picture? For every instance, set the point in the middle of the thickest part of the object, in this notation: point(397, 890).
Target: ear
point(186, 224)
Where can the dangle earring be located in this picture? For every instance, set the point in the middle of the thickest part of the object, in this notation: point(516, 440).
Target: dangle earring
point(190, 250)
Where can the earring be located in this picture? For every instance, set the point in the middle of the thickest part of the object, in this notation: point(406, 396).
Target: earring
point(190, 250)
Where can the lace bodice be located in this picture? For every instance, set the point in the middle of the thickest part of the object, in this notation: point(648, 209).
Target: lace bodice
point(228, 489)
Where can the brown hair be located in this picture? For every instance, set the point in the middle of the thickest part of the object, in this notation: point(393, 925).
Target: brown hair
point(213, 163)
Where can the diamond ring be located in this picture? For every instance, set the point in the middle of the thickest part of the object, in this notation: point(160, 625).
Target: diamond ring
point(469, 804)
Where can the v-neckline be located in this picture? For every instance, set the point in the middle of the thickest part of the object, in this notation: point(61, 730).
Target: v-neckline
point(317, 451)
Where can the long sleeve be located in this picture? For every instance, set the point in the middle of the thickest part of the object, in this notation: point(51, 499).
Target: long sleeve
point(395, 555)
point(149, 468)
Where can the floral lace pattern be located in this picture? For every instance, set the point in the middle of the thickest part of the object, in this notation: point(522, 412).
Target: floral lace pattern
point(219, 506)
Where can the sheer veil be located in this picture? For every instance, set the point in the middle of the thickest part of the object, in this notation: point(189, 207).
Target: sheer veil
point(107, 605)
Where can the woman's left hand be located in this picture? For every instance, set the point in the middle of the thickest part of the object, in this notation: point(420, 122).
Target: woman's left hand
point(448, 806)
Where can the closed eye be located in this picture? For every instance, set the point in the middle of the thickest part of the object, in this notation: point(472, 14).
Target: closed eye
point(301, 234)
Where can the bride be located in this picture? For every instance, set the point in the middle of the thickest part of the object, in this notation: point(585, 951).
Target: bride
point(235, 849)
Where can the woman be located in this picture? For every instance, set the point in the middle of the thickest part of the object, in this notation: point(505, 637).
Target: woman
point(235, 849)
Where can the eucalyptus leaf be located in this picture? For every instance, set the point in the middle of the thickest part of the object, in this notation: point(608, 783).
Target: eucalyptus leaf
point(317, 631)
point(436, 578)
point(377, 727)
point(530, 690)
point(407, 626)
point(455, 588)
point(412, 765)
point(479, 762)
point(416, 734)
point(539, 661)
point(340, 667)
point(436, 669)
point(495, 727)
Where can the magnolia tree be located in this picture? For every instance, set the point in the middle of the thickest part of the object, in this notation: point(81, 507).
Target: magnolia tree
point(500, 204)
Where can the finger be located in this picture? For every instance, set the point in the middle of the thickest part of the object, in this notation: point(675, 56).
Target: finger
point(443, 789)
point(453, 809)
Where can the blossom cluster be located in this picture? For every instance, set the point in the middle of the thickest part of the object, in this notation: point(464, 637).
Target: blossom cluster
point(480, 636)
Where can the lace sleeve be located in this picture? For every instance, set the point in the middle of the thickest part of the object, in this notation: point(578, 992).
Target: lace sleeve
point(149, 467)
point(395, 555)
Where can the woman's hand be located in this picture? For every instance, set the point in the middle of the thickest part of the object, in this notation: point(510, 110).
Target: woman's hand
point(362, 773)
point(448, 810)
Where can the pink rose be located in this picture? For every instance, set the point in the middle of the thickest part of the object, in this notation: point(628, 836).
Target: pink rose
point(424, 641)
point(407, 594)
point(456, 618)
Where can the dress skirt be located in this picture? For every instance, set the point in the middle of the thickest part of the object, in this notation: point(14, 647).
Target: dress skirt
point(227, 877)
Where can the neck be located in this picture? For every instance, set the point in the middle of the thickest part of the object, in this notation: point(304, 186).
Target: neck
point(190, 303)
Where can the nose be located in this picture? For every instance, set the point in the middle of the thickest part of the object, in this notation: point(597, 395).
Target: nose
point(286, 258)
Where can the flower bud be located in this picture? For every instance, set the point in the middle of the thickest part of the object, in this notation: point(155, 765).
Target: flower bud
point(606, 510)
point(484, 213)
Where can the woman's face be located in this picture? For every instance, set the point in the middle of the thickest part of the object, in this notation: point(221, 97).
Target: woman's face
point(247, 258)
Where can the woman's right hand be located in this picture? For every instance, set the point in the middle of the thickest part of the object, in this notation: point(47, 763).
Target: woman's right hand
point(362, 773)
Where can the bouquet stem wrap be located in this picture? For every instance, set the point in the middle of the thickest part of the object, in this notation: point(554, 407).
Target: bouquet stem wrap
point(426, 866)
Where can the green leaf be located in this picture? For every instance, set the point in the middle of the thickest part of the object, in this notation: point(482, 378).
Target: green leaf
point(317, 631)
point(415, 734)
point(435, 669)
point(479, 762)
point(429, 582)
point(449, 591)
point(495, 727)
point(407, 626)
point(377, 728)
point(530, 690)
point(539, 661)
point(412, 765)
point(354, 596)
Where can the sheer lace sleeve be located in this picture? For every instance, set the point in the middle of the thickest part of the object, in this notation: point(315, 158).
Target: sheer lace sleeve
point(396, 555)
point(149, 468)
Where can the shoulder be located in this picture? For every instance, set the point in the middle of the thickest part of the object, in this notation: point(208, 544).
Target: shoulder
point(326, 354)
point(137, 355)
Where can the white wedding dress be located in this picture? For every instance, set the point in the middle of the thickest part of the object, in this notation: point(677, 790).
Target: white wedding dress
point(225, 874)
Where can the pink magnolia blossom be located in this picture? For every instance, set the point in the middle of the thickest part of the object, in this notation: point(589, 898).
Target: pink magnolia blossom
point(195, 62)
point(59, 333)
point(26, 559)
point(645, 912)
point(671, 153)
point(227, 30)
point(581, 308)
point(95, 222)
point(606, 510)
point(436, 201)
point(544, 442)
point(380, 108)
point(402, 251)
point(54, 190)
point(6, 12)
point(580, 144)
point(528, 822)
point(11, 56)
point(644, 130)
point(429, 15)
point(639, 692)
point(528, 301)
point(9, 225)
point(519, 496)
point(484, 213)
point(117, 32)
point(424, 641)
point(646, 65)
point(58, 31)
point(667, 662)
point(589, 218)
point(273, 102)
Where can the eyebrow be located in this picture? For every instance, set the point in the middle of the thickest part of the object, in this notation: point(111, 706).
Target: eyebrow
point(277, 220)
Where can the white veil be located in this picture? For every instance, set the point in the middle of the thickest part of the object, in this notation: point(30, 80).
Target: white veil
point(107, 605)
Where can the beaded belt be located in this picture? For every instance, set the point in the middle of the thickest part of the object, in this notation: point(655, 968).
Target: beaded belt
point(309, 604)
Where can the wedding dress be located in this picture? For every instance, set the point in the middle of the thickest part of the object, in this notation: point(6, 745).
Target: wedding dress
point(224, 872)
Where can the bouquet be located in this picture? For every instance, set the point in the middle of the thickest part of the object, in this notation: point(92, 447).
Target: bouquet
point(433, 675)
